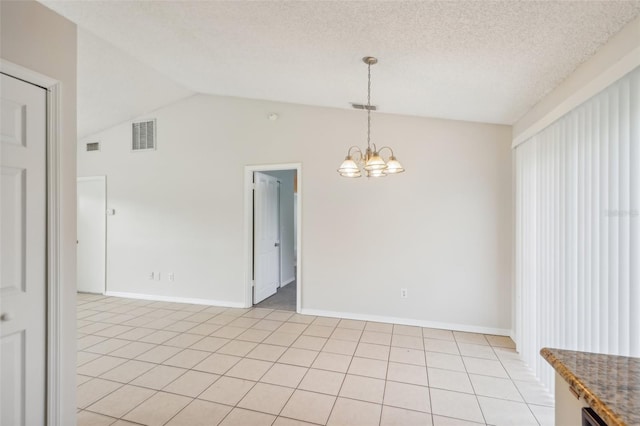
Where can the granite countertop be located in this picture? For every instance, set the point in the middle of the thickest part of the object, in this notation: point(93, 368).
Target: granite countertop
point(609, 384)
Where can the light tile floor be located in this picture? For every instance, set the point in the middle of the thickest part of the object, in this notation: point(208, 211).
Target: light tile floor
point(161, 363)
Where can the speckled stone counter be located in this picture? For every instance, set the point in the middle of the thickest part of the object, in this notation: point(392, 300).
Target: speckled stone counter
point(609, 384)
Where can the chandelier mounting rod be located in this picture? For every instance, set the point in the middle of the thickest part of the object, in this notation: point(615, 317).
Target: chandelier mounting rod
point(369, 60)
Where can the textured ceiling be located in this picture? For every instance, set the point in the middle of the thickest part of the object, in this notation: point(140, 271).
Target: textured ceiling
point(487, 61)
point(114, 87)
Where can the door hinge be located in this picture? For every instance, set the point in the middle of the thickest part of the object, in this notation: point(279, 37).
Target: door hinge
point(253, 186)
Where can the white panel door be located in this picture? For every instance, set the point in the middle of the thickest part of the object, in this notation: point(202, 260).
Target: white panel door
point(266, 243)
point(92, 235)
point(22, 252)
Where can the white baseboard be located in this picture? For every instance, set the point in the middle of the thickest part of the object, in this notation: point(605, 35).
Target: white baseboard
point(512, 334)
point(158, 298)
point(287, 282)
point(409, 321)
point(322, 313)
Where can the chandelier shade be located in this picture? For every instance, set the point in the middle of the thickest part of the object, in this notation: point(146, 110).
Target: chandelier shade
point(375, 162)
point(371, 162)
point(349, 168)
point(393, 166)
point(376, 173)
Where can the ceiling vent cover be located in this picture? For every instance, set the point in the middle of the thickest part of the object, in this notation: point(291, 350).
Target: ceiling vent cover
point(93, 146)
point(144, 136)
point(364, 107)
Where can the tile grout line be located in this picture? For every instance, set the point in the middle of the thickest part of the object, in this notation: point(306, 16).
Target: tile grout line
point(484, 419)
point(517, 389)
point(296, 388)
point(345, 375)
point(426, 367)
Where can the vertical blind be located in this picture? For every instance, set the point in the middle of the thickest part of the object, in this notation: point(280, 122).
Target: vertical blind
point(578, 230)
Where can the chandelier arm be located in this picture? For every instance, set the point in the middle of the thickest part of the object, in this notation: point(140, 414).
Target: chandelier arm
point(357, 150)
point(386, 147)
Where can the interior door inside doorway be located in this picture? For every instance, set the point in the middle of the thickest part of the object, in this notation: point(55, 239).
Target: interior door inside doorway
point(266, 243)
point(92, 235)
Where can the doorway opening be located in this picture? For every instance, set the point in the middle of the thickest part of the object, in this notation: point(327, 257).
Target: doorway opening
point(272, 228)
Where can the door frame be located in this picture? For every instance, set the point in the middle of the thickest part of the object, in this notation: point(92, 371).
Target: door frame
point(53, 194)
point(103, 179)
point(248, 228)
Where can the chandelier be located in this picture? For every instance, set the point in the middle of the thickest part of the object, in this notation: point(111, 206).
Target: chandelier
point(371, 162)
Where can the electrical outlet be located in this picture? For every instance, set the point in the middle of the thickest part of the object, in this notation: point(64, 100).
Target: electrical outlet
point(151, 275)
point(403, 293)
point(157, 276)
point(172, 276)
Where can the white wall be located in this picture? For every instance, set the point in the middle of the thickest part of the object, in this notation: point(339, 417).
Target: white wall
point(287, 213)
point(442, 229)
point(38, 39)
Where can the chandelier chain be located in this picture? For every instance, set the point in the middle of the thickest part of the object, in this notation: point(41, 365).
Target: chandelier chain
point(369, 106)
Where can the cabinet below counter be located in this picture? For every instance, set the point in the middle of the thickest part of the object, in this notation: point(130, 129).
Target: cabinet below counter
point(609, 384)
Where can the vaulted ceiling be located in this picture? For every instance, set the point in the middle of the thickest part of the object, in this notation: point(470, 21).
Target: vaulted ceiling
point(487, 61)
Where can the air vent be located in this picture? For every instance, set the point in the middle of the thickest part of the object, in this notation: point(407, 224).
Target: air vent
point(93, 146)
point(365, 107)
point(144, 136)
